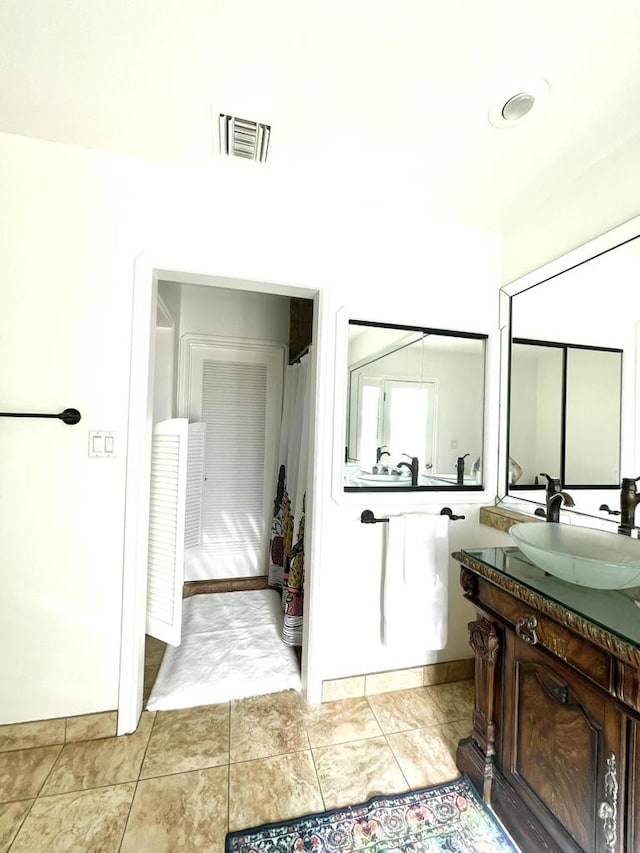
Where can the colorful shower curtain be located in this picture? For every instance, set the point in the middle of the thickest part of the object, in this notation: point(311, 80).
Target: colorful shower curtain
point(286, 564)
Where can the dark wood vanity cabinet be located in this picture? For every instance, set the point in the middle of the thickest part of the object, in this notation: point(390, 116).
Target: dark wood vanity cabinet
point(557, 734)
point(555, 746)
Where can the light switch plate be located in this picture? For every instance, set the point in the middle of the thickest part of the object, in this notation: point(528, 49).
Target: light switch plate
point(102, 443)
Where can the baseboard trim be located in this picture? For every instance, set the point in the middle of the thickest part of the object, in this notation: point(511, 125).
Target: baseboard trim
point(397, 679)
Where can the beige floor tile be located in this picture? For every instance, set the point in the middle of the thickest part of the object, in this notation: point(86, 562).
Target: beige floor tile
point(339, 722)
point(189, 739)
point(455, 700)
point(185, 812)
point(81, 822)
point(463, 728)
point(427, 756)
point(23, 771)
point(28, 735)
point(150, 675)
point(91, 764)
point(153, 651)
point(92, 726)
point(11, 817)
point(406, 709)
point(272, 789)
point(350, 773)
point(267, 725)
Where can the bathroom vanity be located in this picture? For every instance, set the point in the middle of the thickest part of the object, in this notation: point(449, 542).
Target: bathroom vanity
point(555, 745)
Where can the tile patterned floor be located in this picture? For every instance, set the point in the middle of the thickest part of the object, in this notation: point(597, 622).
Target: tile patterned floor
point(185, 778)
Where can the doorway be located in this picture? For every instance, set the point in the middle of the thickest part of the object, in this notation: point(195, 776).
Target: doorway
point(143, 364)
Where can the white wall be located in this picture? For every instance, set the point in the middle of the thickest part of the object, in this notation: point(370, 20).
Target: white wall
point(166, 380)
point(74, 223)
point(567, 216)
point(163, 374)
point(238, 314)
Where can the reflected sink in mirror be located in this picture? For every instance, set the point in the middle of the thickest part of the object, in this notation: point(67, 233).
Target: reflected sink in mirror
point(580, 555)
point(398, 478)
point(387, 477)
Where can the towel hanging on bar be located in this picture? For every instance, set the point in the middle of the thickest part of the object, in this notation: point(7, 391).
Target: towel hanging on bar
point(416, 572)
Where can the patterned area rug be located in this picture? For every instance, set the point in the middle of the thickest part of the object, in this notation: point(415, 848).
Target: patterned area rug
point(449, 817)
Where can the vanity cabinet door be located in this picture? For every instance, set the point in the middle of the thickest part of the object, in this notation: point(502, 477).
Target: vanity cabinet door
point(633, 783)
point(563, 750)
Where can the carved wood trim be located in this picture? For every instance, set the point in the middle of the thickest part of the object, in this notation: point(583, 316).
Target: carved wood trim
point(484, 640)
point(598, 636)
point(468, 582)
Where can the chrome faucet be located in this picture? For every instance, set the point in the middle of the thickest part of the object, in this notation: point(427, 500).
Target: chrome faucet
point(629, 499)
point(555, 497)
point(413, 467)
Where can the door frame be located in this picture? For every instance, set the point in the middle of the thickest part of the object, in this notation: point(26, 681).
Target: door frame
point(149, 268)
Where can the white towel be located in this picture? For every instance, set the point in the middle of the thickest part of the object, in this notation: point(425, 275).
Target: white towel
point(416, 575)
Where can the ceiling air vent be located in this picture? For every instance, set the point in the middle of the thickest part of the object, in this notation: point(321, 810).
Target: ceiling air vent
point(242, 138)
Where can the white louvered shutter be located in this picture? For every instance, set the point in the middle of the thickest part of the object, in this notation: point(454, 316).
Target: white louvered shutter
point(166, 530)
point(195, 483)
point(234, 406)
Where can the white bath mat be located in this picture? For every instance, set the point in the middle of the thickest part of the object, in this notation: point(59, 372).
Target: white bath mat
point(231, 648)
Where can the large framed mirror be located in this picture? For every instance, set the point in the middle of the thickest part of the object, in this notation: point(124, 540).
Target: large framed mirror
point(569, 378)
point(415, 408)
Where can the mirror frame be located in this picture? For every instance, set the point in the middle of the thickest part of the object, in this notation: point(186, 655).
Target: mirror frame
point(606, 242)
point(479, 336)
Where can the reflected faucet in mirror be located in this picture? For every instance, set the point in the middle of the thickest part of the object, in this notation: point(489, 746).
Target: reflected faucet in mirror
point(413, 466)
point(555, 497)
point(629, 499)
point(460, 468)
point(380, 452)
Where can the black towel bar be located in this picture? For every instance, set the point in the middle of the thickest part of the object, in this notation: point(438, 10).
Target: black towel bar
point(69, 416)
point(367, 516)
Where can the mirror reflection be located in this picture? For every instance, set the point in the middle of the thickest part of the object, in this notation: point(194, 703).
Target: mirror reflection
point(415, 408)
point(572, 376)
point(565, 414)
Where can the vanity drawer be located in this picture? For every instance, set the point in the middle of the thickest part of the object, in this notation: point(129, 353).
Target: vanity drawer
point(547, 634)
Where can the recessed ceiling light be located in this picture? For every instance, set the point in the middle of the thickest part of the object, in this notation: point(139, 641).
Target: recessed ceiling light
point(512, 108)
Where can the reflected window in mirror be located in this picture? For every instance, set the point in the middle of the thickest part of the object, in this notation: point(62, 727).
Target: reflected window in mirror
point(565, 404)
point(415, 408)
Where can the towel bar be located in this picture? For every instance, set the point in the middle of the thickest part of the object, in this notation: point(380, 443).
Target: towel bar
point(367, 516)
point(69, 416)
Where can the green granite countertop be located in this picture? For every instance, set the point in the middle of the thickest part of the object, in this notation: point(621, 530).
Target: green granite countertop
point(617, 611)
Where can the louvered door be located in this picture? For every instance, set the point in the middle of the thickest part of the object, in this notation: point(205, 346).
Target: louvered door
point(167, 499)
point(237, 393)
point(195, 484)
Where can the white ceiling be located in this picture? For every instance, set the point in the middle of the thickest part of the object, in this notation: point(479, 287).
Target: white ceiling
point(370, 102)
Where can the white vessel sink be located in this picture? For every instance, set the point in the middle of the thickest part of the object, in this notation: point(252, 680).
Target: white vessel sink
point(581, 555)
